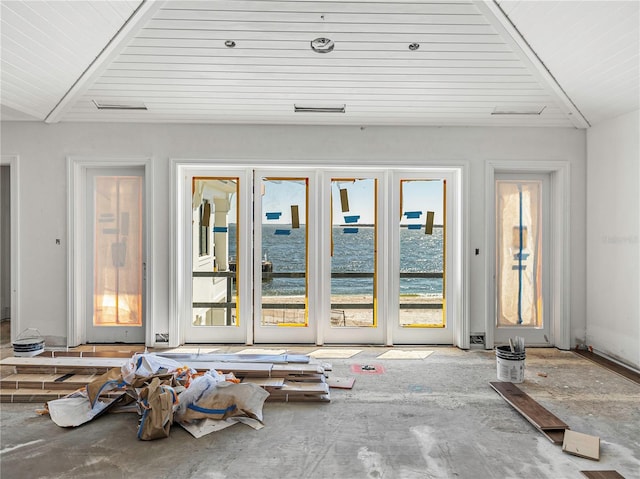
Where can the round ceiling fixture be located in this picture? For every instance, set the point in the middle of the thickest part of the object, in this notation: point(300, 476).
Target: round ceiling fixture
point(322, 45)
point(414, 46)
point(230, 43)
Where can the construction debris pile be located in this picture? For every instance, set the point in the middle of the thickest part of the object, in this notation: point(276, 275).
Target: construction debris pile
point(201, 392)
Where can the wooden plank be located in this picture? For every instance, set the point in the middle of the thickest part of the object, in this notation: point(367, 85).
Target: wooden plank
point(31, 395)
point(64, 362)
point(38, 395)
point(45, 381)
point(602, 474)
point(262, 369)
point(545, 422)
point(299, 398)
point(265, 382)
point(610, 365)
point(238, 358)
point(528, 407)
point(582, 445)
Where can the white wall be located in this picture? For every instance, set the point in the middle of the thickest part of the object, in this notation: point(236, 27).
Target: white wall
point(5, 243)
point(43, 150)
point(613, 247)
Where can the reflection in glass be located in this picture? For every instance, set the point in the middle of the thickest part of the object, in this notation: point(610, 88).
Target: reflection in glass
point(214, 243)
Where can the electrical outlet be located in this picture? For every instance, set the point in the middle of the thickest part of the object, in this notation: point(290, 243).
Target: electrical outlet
point(162, 337)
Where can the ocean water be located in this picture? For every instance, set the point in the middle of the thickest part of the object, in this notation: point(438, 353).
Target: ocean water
point(353, 252)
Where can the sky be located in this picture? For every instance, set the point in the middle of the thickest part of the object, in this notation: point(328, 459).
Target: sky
point(279, 195)
point(418, 195)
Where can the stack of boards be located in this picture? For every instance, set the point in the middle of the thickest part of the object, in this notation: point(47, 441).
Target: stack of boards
point(53, 375)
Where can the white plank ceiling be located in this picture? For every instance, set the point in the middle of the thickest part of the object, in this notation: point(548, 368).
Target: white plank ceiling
point(47, 45)
point(470, 64)
point(598, 61)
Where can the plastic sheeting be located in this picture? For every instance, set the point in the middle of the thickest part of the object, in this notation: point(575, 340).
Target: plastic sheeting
point(519, 240)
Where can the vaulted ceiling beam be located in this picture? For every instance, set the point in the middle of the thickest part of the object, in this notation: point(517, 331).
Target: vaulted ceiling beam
point(510, 34)
point(114, 47)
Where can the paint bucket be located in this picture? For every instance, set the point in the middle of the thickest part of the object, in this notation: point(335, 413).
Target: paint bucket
point(28, 343)
point(510, 364)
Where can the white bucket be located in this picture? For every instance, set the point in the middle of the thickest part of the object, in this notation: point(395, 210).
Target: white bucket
point(28, 343)
point(510, 364)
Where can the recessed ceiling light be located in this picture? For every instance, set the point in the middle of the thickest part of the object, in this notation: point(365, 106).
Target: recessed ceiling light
point(322, 45)
point(319, 109)
point(514, 110)
point(414, 46)
point(229, 43)
point(119, 106)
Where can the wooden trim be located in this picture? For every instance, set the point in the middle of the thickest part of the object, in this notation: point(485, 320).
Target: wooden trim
point(617, 368)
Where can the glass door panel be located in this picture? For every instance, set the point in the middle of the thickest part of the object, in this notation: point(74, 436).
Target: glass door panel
point(353, 252)
point(214, 259)
point(282, 235)
point(284, 252)
point(351, 268)
point(422, 226)
point(520, 259)
point(116, 218)
point(422, 233)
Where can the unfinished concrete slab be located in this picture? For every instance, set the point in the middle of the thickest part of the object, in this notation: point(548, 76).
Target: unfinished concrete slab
point(434, 418)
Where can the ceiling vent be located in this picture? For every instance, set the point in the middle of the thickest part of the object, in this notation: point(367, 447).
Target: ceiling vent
point(101, 105)
point(319, 109)
point(514, 110)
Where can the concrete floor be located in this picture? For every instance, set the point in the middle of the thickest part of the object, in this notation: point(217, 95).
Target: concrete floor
point(430, 418)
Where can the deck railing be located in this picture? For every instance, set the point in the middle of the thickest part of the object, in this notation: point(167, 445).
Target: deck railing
point(230, 275)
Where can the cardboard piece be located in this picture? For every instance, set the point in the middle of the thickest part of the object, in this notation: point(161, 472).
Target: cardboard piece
point(582, 445)
point(404, 354)
point(334, 353)
point(341, 383)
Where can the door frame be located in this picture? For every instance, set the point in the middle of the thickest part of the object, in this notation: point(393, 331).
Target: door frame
point(458, 300)
point(180, 245)
point(14, 174)
point(559, 246)
point(453, 260)
point(275, 334)
point(77, 254)
point(377, 335)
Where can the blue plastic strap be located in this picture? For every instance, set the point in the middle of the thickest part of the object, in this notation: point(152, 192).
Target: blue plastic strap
point(414, 227)
point(520, 260)
point(205, 410)
point(350, 230)
point(351, 219)
point(220, 229)
point(413, 214)
point(274, 215)
point(283, 232)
